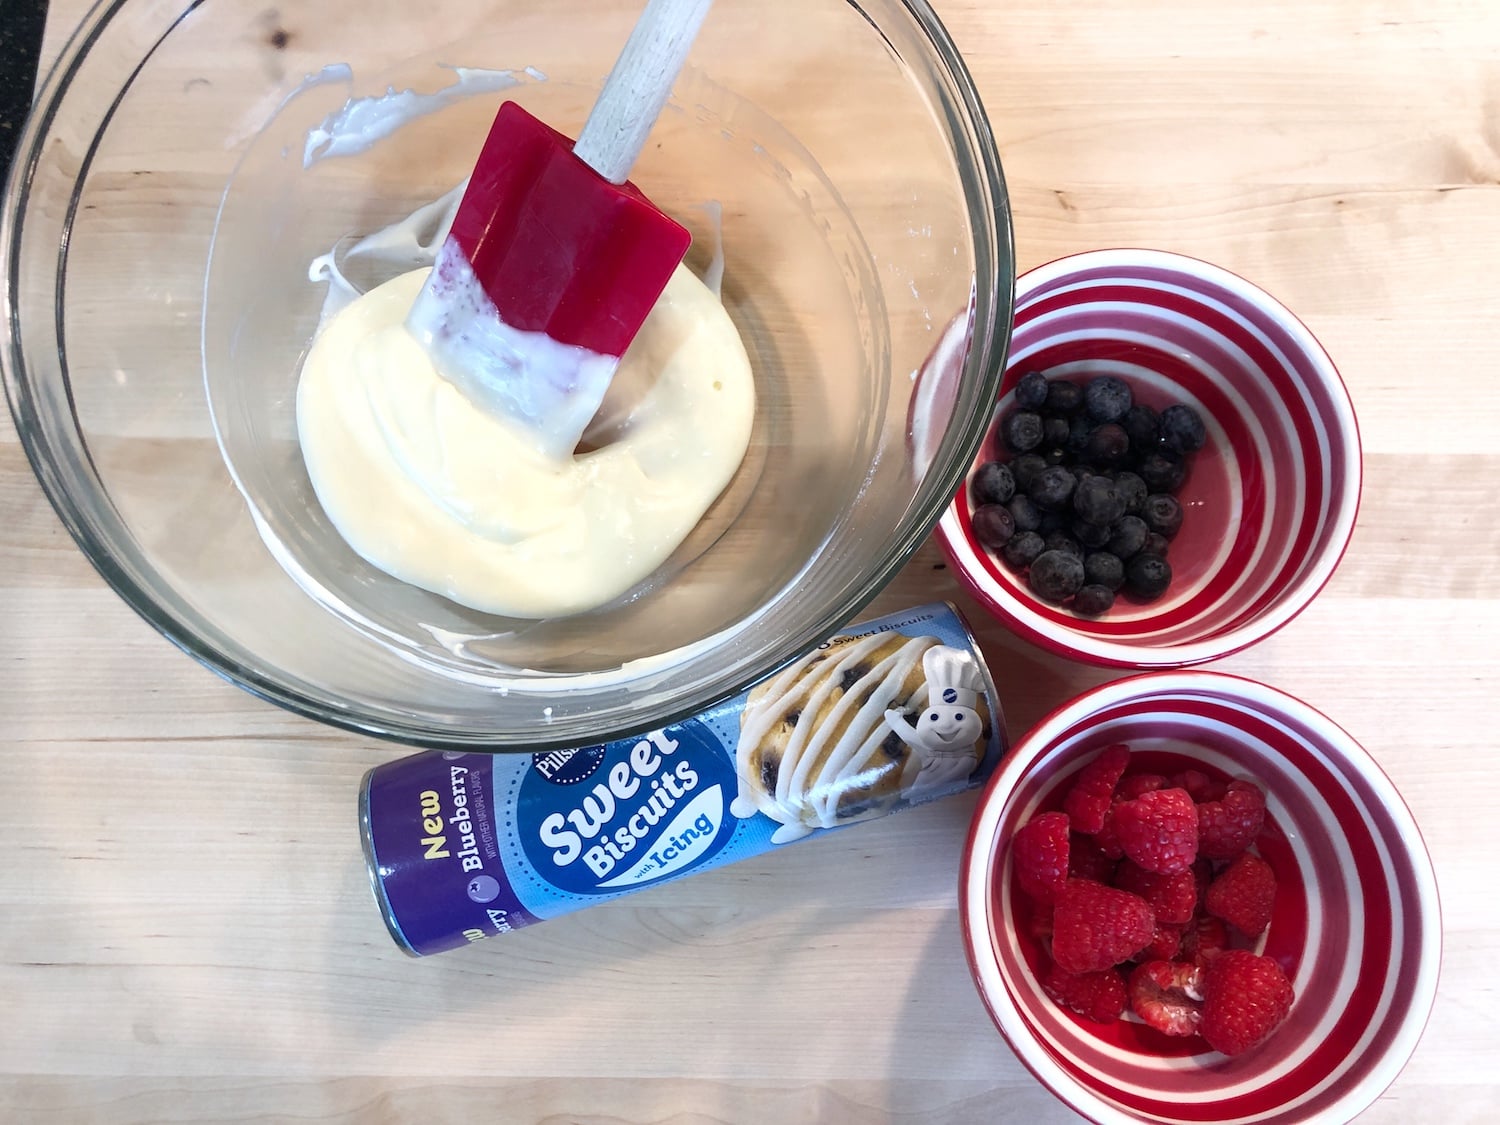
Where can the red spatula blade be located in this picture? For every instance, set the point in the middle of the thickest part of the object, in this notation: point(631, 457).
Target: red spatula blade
point(558, 248)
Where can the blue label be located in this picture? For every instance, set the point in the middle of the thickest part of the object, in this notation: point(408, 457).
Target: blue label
point(884, 716)
point(657, 807)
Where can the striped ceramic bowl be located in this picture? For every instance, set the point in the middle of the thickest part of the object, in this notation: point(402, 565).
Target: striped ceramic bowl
point(1270, 500)
point(1356, 923)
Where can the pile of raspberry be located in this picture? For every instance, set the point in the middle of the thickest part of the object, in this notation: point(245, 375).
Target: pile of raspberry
point(1147, 893)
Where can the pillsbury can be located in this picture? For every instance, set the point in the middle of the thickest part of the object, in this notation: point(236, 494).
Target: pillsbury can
point(888, 714)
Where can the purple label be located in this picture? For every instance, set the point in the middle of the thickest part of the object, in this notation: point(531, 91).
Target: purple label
point(436, 856)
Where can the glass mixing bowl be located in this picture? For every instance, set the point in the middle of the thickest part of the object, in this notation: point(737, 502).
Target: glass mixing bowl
point(185, 164)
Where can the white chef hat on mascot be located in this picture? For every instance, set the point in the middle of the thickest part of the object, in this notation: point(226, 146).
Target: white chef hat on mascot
point(952, 678)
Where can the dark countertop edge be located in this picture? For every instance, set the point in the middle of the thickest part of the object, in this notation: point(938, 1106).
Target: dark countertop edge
point(21, 25)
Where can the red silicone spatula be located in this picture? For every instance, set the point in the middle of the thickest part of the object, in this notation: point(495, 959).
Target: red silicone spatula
point(554, 258)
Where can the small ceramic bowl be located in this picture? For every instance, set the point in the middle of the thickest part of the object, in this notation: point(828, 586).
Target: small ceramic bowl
point(1269, 502)
point(1356, 922)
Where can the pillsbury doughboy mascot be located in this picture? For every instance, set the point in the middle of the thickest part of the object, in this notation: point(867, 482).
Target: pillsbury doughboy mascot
point(949, 725)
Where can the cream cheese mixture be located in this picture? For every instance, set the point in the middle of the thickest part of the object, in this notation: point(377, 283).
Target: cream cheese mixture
point(439, 492)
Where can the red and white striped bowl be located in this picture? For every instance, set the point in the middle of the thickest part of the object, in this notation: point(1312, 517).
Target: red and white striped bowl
point(1356, 924)
point(1270, 501)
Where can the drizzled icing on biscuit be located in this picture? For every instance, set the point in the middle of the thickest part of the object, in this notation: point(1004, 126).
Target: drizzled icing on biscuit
point(814, 744)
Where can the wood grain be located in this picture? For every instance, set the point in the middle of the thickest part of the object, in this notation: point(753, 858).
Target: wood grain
point(185, 929)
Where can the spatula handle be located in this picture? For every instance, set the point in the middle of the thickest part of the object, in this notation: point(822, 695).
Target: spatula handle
point(638, 86)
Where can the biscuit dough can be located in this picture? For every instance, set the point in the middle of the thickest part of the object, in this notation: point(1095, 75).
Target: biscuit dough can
point(888, 714)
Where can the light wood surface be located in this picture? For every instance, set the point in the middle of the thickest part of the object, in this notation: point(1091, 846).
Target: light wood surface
point(185, 928)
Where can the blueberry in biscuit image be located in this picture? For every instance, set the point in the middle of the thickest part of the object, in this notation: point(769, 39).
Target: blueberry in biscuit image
point(856, 728)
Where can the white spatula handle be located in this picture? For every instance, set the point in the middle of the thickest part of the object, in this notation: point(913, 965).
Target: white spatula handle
point(638, 86)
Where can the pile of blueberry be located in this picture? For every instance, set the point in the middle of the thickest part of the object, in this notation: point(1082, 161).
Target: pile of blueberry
point(1086, 504)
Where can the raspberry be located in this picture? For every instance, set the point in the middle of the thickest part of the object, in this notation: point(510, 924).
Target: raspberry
point(1173, 897)
point(1133, 785)
point(1203, 940)
point(1164, 943)
point(1159, 830)
point(1087, 803)
point(1168, 996)
point(1095, 927)
point(1245, 998)
point(1107, 838)
point(1086, 861)
point(1039, 856)
point(1095, 996)
point(1243, 894)
point(1226, 827)
point(1203, 875)
point(1200, 788)
point(1038, 925)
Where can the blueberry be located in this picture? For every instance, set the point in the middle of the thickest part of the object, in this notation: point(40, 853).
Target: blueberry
point(1055, 575)
point(1091, 535)
point(1031, 391)
point(1162, 470)
point(1141, 424)
point(1128, 536)
point(1096, 500)
point(1064, 396)
point(1062, 541)
point(1052, 522)
point(1182, 428)
point(1023, 512)
point(1107, 398)
point(1023, 549)
point(1079, 430)
point(1022, 430)
point(1108, 445)
point(1101, 568)
point(1025, 468)
point(1155, 544)
point(1055, 430)
point(1055, 456)
point(993, 525)
point(1132, 490)
point(1093, 600)
point(1082, 472)
point(993, 483)
point(1148, 576)
point(1163, 514)
point(1052, 488)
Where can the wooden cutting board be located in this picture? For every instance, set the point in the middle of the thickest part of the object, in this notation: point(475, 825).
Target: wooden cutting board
point(185, 929)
